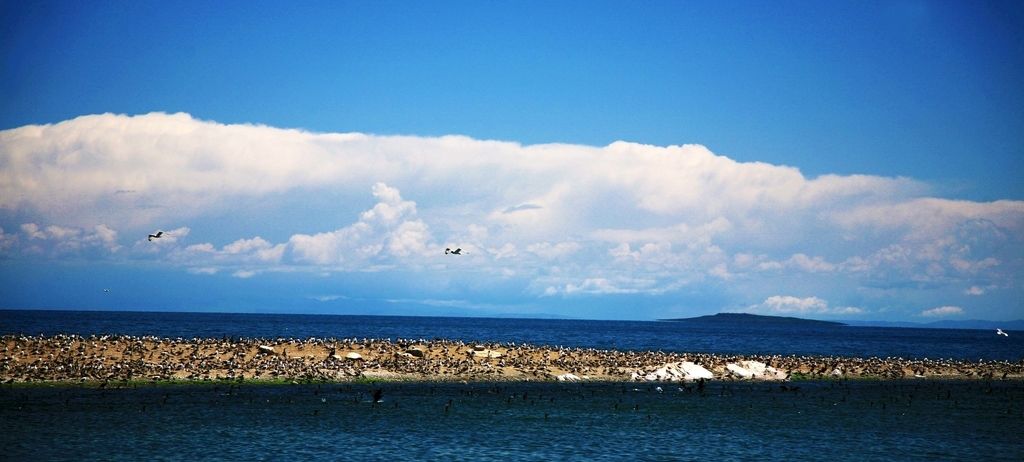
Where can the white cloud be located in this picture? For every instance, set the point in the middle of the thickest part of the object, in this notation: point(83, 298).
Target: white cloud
point(622, 218)
point(602, 286)
point(549, 251)
point(799, 261)
point(810, 264)
point(334, 247)
point(7, 241)
point(55, 240)
point(702, 233)
point(975, 290)
point(244, 274)
point(721, 271)
point(178, 167)
point(508, 250)
point(252, 251)
point(32, 231)
point(409, 238)
point(390, 207)
point(926, 218)
point(257, 248)
point(106, 236)
point(788, 304)
point(943, 311)
point(388, 230)
point(521, 207)
point(847, 310)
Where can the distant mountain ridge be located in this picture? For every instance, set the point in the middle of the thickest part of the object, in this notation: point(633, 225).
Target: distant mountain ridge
point(763, 320)
point(753, 319)
point(946, 324)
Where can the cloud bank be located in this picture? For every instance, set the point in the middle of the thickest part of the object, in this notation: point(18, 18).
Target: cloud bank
point(561, 221)
point(943, 311)
point(790, 305)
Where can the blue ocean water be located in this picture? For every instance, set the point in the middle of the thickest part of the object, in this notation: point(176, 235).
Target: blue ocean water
point(836, 421)
point(624, 335)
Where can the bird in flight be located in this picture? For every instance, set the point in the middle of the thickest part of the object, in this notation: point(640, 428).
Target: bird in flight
point(158, 235)
point(1000, 332)
point(457, 251)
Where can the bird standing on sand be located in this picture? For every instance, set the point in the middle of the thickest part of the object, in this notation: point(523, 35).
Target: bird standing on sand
point(1000, 332)
point(457, 251)
point(158, 235)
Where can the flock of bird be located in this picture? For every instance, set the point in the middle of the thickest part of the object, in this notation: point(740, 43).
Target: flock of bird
point(112, 358)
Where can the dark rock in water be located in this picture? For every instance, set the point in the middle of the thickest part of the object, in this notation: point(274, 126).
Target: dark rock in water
point(748, 320)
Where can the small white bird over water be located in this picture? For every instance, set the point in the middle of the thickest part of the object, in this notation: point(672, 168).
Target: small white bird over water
point(1000, 332)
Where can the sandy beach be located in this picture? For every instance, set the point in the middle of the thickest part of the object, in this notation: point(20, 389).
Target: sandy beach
point(70, 358)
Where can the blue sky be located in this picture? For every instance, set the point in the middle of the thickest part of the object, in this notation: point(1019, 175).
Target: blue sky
point(839, 160)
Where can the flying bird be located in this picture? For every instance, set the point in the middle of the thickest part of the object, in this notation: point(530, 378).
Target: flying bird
point(158, 235)
point(457, 251)
point(1000, 332)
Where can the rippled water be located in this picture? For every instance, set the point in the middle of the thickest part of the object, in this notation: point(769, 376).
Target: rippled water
point(733, 421)
point(629, 335)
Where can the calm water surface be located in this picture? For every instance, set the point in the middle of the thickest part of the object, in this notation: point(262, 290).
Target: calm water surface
point(852, 421)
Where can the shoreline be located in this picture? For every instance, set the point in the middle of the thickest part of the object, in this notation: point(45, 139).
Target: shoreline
point(99, 360)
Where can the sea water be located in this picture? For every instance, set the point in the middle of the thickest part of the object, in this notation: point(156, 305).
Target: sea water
point(855, 421)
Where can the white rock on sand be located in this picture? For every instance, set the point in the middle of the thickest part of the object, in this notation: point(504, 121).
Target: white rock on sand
point(354, 356)
point(755, 370)
point(673, 372)
point(739, 371)
point(696, 371)
point(266, 349)
point(568, 378)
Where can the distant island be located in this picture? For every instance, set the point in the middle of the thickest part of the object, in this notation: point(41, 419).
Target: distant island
point(747, 319)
